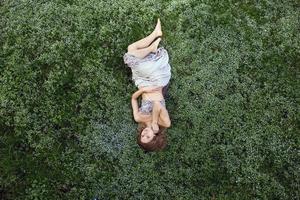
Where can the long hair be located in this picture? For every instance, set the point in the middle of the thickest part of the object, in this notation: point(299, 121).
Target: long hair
point(159, 141)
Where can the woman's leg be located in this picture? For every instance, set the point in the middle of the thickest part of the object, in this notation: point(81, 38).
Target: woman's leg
point(145, 42)
point(141, 53)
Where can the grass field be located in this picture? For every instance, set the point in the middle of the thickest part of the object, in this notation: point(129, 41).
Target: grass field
point(66, 124)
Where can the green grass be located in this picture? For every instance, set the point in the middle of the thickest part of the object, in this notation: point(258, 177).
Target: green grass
point(66, 125)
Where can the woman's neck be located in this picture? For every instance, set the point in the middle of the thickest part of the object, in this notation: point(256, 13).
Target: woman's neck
point(148, 123)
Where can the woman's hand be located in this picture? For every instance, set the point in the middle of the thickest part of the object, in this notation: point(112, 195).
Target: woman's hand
point(150, 89)
point(155, 127)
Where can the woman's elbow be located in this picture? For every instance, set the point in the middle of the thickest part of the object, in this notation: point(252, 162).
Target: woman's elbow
point(168, 124)
point(136, 118)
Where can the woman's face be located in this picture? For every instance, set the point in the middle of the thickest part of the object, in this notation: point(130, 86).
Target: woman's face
point(147, 135)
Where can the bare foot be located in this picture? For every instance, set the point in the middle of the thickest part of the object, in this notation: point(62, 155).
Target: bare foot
point(157, 31)
point(154, 45)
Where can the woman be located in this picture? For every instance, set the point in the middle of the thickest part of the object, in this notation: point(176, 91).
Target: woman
point(151, 73)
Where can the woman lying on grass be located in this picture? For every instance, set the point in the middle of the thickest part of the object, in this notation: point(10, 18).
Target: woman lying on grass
point(151, 73)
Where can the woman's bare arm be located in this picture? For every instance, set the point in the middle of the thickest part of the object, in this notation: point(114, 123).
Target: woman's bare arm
point(155, 115)
point(138, 93)
point(134, 104)
point(164, 119)
point(160, 115)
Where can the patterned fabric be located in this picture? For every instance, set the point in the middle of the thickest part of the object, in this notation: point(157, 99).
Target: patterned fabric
point(152, 70)
point(147, 106)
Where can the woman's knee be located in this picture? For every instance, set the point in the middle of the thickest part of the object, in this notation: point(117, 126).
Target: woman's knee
point(131, 47)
